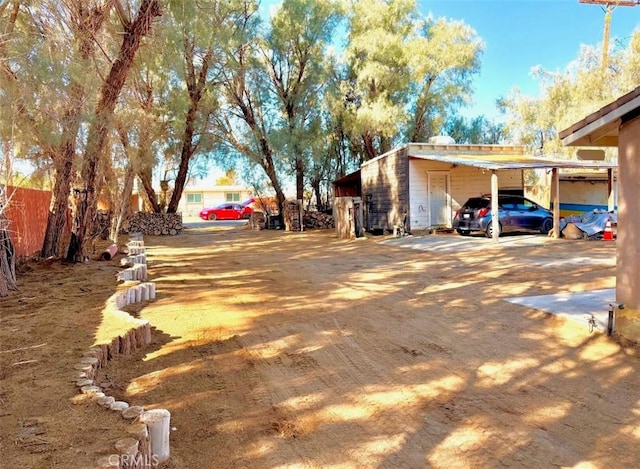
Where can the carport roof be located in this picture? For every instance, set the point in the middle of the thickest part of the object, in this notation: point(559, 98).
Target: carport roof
point(501, 161)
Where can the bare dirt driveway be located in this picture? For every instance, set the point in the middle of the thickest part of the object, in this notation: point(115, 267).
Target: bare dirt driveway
point(276, 349)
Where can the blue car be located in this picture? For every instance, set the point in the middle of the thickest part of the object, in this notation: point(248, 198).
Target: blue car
point(516, 213)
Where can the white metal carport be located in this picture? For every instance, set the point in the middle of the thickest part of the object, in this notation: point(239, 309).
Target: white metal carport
point(502, 161)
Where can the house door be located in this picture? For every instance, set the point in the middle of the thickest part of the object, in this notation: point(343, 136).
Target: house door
point(439, 200)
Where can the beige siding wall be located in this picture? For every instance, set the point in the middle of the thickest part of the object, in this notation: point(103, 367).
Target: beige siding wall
point(465, 182)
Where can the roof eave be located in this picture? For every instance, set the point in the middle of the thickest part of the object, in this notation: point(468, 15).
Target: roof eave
point(600, 129)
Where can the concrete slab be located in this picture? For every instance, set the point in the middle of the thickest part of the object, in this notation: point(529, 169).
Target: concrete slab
point(455, 243)
point(580, 306)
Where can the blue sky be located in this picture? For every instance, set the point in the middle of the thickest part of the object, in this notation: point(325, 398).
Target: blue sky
point(520, 34)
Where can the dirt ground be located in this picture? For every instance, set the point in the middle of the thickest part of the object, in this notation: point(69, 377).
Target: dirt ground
point(274, 349)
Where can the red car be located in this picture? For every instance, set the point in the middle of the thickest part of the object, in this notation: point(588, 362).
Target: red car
point(227, 211)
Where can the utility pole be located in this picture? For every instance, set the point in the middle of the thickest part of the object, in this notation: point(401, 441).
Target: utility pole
point(609, 5)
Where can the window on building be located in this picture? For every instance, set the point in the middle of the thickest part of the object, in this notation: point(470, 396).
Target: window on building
point(194, 198)
point(232, 196)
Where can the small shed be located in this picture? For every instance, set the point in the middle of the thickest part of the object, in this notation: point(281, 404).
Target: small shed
point(422, 185)
point(618, 125)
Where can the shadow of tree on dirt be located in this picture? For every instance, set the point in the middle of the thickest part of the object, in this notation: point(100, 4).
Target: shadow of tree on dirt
point(301, 349)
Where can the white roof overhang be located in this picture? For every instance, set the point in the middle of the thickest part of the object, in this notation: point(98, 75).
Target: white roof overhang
point(498, 162)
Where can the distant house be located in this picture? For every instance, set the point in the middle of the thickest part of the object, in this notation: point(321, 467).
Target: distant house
point(197, 196)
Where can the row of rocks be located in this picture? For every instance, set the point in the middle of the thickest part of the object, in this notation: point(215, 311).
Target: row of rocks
point(148, 442)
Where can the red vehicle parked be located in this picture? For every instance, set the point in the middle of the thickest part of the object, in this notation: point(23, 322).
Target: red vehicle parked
point(226, 211)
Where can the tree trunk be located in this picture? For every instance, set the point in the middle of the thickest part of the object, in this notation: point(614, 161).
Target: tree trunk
point(188, 149)
point(315, 186)
point(57, 218)
point(369, 147)
point(97, 138)
point(7, 264)
point(7, 254)
point(89, 23)
point(299, 178)
point(196, 89)
point(125, 205)
point(270, 171)
point(152, 197)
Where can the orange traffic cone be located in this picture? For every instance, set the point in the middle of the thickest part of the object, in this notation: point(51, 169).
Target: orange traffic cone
point(608, 231)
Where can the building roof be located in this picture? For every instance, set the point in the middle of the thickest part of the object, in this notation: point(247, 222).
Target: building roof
point(492, 157)
point(600, 129)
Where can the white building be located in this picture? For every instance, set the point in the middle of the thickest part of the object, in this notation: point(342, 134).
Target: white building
point(199, 195)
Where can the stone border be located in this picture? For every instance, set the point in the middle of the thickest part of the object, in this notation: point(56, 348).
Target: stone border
point(148, 443)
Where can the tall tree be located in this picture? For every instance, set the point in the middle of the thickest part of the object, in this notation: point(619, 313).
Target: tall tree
point(444, 57)
point(378, 75)
point(405, 73)
point(568, 95)
point(202, 29)
point(46, 88)
point(294, 51)
point(244, 124)
point(133, 32)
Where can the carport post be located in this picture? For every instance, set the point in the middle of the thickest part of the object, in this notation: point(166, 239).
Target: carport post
point(555, 189)
point(611, 203)
point(495, 221)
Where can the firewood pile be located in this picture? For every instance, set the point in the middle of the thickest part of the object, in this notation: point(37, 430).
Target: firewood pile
point(258, 221)
point(102, 224)
point(156, 224)
point(310, 220)
point(318, 221)
point(292, 216)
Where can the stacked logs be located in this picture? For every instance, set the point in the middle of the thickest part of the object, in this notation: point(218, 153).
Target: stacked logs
point(258, 221)
point(101, 224)
point(148, 443)
point(318, 221)
point(153, 224)
point(292, 218)
point(311, 220)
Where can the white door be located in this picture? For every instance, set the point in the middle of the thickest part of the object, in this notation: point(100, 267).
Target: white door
point(439, 200)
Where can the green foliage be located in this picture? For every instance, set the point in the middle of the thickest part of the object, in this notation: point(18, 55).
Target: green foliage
point(272, 96)
point(405, 73)
point(445, 55)
point(568, 96)
point(478, 130)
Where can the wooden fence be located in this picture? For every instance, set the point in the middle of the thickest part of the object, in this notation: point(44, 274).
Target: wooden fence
point(27, 213)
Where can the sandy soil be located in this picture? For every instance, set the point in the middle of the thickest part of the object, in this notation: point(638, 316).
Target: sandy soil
point(276, 349)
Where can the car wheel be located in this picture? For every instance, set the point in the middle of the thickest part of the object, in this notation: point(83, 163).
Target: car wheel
point(489, 231)
point(212, 216)
point(463, 232)
point(547, 225)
